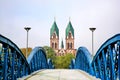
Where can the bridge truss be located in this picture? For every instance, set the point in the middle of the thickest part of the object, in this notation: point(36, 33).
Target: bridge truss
point(13, 63)
point(105, 64)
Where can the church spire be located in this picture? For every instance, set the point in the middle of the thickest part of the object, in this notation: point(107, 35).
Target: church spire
point(69, 29)
point(54, 29)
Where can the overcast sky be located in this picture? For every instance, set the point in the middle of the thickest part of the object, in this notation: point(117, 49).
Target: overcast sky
point(39, 15)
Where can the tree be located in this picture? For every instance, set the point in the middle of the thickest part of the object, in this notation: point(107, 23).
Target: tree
point(50, 53)
point(63, 61)
point(59, 62)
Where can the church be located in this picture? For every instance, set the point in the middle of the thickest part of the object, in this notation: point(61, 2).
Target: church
point(69, 40)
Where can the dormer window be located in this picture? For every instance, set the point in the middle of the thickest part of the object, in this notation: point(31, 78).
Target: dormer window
point(70, 35)
point(54, 35)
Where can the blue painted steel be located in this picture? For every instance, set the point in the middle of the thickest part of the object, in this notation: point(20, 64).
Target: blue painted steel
point(37, 59)
point(118, 59)
point(106, 62)
point(50, 64)
point(72, 64)
point(83, 60)
point(12, 62)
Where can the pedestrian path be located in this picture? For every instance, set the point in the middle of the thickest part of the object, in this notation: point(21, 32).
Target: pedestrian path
point(59, 74)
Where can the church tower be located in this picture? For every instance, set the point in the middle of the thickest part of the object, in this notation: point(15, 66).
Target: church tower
point(69, 37)
point(54, 36)
point(69, 40)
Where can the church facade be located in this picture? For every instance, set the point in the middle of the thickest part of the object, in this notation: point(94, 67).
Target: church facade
point(69, 40)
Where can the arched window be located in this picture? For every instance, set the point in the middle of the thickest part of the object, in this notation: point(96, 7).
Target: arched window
point(70, 45)
point(52, 45)
point(55, 45)
point(54, 35)
point(70, 35)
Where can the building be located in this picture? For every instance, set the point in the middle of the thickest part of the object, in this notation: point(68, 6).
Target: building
point(69, 40)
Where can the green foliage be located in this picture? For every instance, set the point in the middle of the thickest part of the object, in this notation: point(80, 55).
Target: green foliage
point(63, 61)
point(59, 62)
point(50, 53)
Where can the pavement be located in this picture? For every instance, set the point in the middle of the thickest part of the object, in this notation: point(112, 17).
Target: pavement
point(59, 74)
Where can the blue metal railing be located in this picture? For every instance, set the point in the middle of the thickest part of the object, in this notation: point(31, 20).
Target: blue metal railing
point(82, 60)
point(12, 62)
point(72, 64)
point(50, 64)
point(37, 59)
point(106, 62)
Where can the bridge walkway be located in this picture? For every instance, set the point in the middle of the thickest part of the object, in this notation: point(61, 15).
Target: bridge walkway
point(59, 74)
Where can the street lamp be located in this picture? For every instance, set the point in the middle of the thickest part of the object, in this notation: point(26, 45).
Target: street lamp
point(92, 29)
point(27, 29)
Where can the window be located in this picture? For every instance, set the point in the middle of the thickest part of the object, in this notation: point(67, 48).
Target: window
point(55, 45)
point(70, 35)
point(70, 45)
point(52, 45)
point(54, 35)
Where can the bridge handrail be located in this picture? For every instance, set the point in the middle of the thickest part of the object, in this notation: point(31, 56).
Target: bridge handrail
point(11, 59)
point(106, 43)
point(33, 53)
point(107, 59)
point(13, 45)
point(83, 55)
point(13, 63)
point(86, 53)
point(33, 59)
point(50, 64)
point(72, 64)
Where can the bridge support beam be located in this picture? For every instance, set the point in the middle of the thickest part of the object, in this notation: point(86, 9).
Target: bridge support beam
point(119, 59)
point(5, 63)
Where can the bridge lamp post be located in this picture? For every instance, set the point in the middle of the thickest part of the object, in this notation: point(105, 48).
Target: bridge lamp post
point(27, 29)
point(92, 29)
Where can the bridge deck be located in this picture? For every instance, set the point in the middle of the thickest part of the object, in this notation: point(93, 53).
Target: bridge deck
point(59, 74)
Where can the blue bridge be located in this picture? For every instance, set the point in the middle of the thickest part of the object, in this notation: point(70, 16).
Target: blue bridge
point(104, 65)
